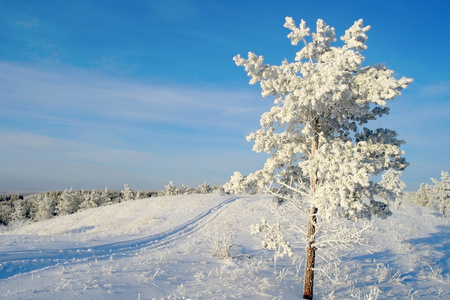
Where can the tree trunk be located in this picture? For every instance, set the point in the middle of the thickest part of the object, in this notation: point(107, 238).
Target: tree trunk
point(310, 255)
point(312, 220)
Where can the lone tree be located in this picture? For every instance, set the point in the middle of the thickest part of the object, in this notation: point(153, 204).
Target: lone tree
point(321, 153)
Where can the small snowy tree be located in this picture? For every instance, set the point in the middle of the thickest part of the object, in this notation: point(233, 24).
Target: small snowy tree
point(236, 184)
point(19, 213)
point(435, 196)
point(91, 199)
point(183, 189)
point(127, 193)
point(441, 193)
point(104, 197)
point(45, 207)
point(423, 195)
point(204, 188)
point(171, 189)
point(68, 203)
point(320, 149)
point(240, 184)
point(391, 187)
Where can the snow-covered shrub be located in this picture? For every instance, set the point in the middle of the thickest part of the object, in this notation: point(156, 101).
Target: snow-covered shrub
point(423, 195)
point(441, 193)
point(19, 213)
point(236, 184)
point(240, 184)
point(104, 197)
point(204, 188)
point(183, 189)
point(436, 196)
point(127, 193)
point(273, 238)
point(391, 187)
point(69, 202)
point(222, 244)
point(171, 189)
point(5, 213)
point(91, 200)
point(44, 207)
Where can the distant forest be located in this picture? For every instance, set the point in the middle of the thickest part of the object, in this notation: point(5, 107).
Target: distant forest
point(19, 208)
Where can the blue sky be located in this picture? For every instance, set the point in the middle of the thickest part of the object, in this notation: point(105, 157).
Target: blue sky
point(97, 94)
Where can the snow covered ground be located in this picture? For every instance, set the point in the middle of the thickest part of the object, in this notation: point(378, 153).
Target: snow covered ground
point(172, 248)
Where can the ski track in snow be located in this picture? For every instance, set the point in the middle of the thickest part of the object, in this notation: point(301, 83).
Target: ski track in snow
point(30, 260)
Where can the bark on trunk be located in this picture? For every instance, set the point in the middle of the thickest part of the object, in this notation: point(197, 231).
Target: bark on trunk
point(312, 220)
point(310, 255)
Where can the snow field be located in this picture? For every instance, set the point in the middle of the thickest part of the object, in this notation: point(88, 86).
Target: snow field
point(200, 247)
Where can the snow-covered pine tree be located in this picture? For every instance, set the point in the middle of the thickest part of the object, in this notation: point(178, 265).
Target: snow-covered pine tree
point(315, 133)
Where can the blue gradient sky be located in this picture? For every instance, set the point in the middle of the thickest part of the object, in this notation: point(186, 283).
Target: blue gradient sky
point(97, 94)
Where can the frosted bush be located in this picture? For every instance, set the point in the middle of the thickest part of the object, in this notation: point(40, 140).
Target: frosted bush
point(391, 187)
point(240, 184)
point(45, 207)
point(19, 213)
point(436, 196)
point(423, 195)
point(69, 202)
point(222, 244)
point(171, 189)
point(204, 188)
point(183, 189)
point(127, 193)
point(441, 193)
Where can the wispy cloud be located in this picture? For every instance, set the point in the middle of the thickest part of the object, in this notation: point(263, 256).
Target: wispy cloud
point(71, 121)
point(173, 10)
point(75, 92)
point(28, 23)
point(436, 89)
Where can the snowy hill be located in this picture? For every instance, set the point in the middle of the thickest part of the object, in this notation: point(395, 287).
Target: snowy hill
point(174, 248)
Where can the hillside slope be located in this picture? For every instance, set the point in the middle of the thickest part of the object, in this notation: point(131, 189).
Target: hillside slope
point(173, 248)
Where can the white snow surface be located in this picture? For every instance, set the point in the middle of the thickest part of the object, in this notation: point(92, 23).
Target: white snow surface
point(163, 248)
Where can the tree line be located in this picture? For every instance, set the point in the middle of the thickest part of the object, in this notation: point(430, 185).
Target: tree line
point(19, 208)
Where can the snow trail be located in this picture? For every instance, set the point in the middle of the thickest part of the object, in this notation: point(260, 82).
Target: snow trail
point(15, 262)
